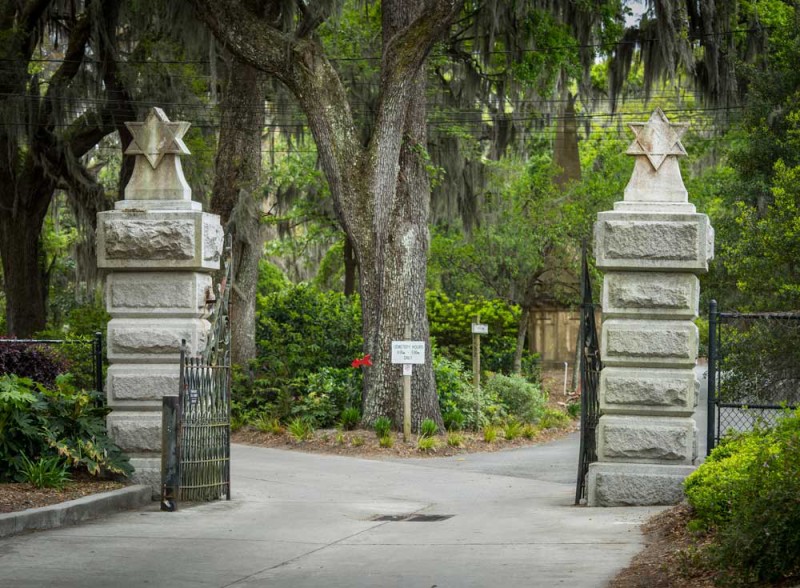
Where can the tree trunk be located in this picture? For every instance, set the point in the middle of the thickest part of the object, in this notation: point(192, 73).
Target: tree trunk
point(522, 333)
point(24, 277)
point(565, 153)
point(393, 270)
point(236, 197)
point(350, 267)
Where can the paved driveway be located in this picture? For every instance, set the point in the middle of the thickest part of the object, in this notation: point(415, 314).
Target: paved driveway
point(310, 520)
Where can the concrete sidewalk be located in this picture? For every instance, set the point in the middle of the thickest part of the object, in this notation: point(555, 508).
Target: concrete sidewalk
point(309, 520)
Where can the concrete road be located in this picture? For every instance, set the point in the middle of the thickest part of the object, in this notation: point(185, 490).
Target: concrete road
point(310, 520)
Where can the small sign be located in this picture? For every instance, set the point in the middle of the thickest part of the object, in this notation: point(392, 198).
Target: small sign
point(480, 329)
point(194, 396)
point(408, 369)
point(408, 352)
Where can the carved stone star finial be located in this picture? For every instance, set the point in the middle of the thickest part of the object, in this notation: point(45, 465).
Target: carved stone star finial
point(657, 138)
point(157, 136)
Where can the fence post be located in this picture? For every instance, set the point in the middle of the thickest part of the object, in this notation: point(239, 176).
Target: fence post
point(712, 376)
point(170, 461)
point(98, 362)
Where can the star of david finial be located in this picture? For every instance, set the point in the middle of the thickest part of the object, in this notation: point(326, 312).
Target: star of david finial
point(157, 136)
point(657, 138)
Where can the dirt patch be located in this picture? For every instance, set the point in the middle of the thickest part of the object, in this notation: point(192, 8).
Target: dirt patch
point(17, 497)
point(365, 444)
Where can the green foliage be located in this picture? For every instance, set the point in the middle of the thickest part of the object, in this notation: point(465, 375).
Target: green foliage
point(316, 408)
point(450, 326)
point(520, 398)
point(747, 492)
point(268, 424)
point(426, 444)
point(455, 439)
point(574, 409)
point(428, 428)
point(350, 418)
point(512, 429)
point(36, 423)
point(529, 431)
point(302, 329)
point(553, 418)
point(301, 429)
point(45, 472)
point(382, 427)
point(490, 433)
point(357, 441)
point(457, 395)
point(386, 441)
point(454, 420)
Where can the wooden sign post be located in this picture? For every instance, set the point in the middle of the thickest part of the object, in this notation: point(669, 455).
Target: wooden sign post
point(407, 353)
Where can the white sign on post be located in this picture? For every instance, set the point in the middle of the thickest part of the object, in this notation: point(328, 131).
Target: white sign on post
point(408, 369)
point(408, 352)
point(479, 329)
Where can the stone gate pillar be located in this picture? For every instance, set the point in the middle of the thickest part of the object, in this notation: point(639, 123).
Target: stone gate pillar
point(159, 247)
point(650, 248)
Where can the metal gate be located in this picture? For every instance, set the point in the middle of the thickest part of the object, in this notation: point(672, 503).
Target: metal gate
point(590, 377)
point(196, 443)
point(753, 369)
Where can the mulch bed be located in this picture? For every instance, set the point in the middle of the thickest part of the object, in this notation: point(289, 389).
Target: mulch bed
point(363, 443)
point(16, 497)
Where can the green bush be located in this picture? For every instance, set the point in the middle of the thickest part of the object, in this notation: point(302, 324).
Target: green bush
point(454, 420)
point(520, 398)
point(554, 419)
point(350, 418)
point(428, 428)
point(747, 491)
point(450, 324)
point(457, 395)
point(45, 472)
point(382, 427)
point(39, 423)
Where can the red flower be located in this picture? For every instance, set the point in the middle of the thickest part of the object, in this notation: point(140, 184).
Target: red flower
point(365, 361)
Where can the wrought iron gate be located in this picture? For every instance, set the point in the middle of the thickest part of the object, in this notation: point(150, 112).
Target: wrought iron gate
point(590, 376)
point(196, 447)
point(753, 369)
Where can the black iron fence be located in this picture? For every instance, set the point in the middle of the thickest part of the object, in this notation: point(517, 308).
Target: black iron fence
point(753, 369)
point(82, 357)
point(590, 378)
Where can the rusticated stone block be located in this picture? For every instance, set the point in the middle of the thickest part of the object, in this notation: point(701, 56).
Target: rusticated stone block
point(634, 343)
point(132, 385)
point(646, 439)
point(653, 241)
point(648, 391)
point(629, 484)
point(179, 294)
point(154, 340)
point(147, 471)
point(133, 239)
point(650, 294)
point(135, 431)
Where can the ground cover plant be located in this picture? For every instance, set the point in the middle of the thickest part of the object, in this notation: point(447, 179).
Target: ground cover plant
point(45, 430)
point(746, 496)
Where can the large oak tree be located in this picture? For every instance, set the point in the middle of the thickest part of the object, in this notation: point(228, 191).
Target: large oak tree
point(380, 190)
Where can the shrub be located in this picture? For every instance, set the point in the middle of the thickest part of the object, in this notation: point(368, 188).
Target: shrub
point(490, 433)
point(301, 429)
point(747, 490)
point(382, 427)
point(458, 395)
point(357, 441)
point(40, 423)
point(512, 430)
point(574, 409)
point(45, 472)
point(426, 444)
point(529, 431)
point(454, 420)
point(38, 362)
point(455, 439)
point(350, 418)
point(268, 424)
point(554, 419)
point(315, 408)
point(428, 428)
point(521, 399)
point(386, 441)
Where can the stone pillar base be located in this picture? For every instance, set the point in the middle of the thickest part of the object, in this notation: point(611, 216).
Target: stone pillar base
point(633, 484)
point(147, 471)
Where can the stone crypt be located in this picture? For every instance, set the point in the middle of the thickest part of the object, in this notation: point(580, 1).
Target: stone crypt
point(159, 249)
point(650, 248)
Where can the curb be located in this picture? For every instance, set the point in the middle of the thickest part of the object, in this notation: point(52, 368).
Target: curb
point(75, 511)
